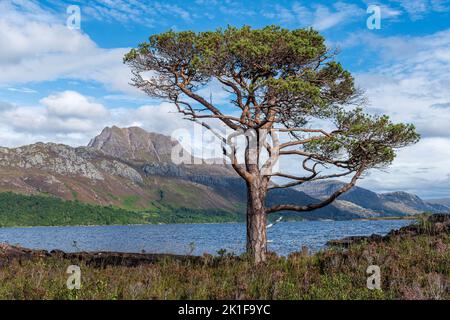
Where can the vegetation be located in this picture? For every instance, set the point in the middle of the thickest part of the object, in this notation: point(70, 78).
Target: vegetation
point(411, 268)
point(23, 210)
point(279, 81)
point(129, 202)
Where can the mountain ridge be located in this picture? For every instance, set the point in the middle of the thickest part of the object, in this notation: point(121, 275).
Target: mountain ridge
point(384, 203)
point(132, 169)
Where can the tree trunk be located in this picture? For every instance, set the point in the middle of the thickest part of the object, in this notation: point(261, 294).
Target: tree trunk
point(256, 222)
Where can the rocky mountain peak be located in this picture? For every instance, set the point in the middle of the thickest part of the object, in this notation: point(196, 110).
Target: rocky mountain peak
point(134, 144)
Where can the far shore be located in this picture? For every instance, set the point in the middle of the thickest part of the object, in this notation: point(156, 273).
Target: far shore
point(207, 223)
point(412, 217)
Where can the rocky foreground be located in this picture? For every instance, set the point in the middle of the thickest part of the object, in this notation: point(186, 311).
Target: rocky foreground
point(10, 253)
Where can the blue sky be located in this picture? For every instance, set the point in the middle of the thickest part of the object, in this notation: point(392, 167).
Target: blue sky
point(63, 85)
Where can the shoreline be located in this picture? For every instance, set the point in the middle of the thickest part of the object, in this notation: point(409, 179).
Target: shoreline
point(406, 217)
point(208, 223)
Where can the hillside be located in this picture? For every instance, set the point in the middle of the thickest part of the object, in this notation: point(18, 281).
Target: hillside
point(365, 202)
point(20, 210)
point(131, 169)
point(444, 201)
point(91, 176)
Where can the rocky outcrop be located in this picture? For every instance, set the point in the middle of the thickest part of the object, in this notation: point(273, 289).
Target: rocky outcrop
point(10, 253)
point(120, 169)
point(134, 144)
point(67, 161)
point(50, 157)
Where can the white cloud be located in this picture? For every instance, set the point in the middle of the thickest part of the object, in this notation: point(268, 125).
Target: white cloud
point(215, 92)
point(319, 16)
point(411, 81)
point(36, 47)
point(72, 104)
point(389, 12)
point(59, 117)
point(71, 118)
point(147, 13)
point(417, 9)
point(421, 169)
point(411, 85)
point(324, 18)
point(21, 90)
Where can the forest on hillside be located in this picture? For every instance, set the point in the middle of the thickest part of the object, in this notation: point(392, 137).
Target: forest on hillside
point(40, 210)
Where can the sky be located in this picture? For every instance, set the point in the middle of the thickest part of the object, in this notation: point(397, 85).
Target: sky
point(64, 84)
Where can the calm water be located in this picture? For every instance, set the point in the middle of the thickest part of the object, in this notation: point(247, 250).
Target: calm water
point(177, 238)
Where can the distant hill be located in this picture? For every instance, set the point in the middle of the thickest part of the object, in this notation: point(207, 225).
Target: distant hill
point(366, 201)
point(444, 201)
point(131, 169)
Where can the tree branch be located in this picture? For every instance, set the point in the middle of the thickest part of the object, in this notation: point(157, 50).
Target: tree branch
point(308, 179)
point(310, 207)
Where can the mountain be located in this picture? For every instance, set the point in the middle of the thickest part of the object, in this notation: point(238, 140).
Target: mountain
point(151, 153)
point(409, 203)
point(134, 144)
point(359, 196)
point(444, 201)
point(130, 168)
point(90, 175)
point(366, 202)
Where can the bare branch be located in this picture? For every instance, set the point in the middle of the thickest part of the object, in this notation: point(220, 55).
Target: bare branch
point(307, 179)
point(209, 106)
point(330, 199)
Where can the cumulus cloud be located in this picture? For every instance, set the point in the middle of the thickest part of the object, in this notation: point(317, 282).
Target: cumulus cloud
point(410, 85)
point(325, 18)
point(72, 118)
point(69, 104)
point(37, 47)
point(420, 169)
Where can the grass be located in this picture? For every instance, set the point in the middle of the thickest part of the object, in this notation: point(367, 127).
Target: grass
point(411, 268)
point(131, 202)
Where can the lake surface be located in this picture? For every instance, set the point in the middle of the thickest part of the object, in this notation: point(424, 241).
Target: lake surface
point(191, 238)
